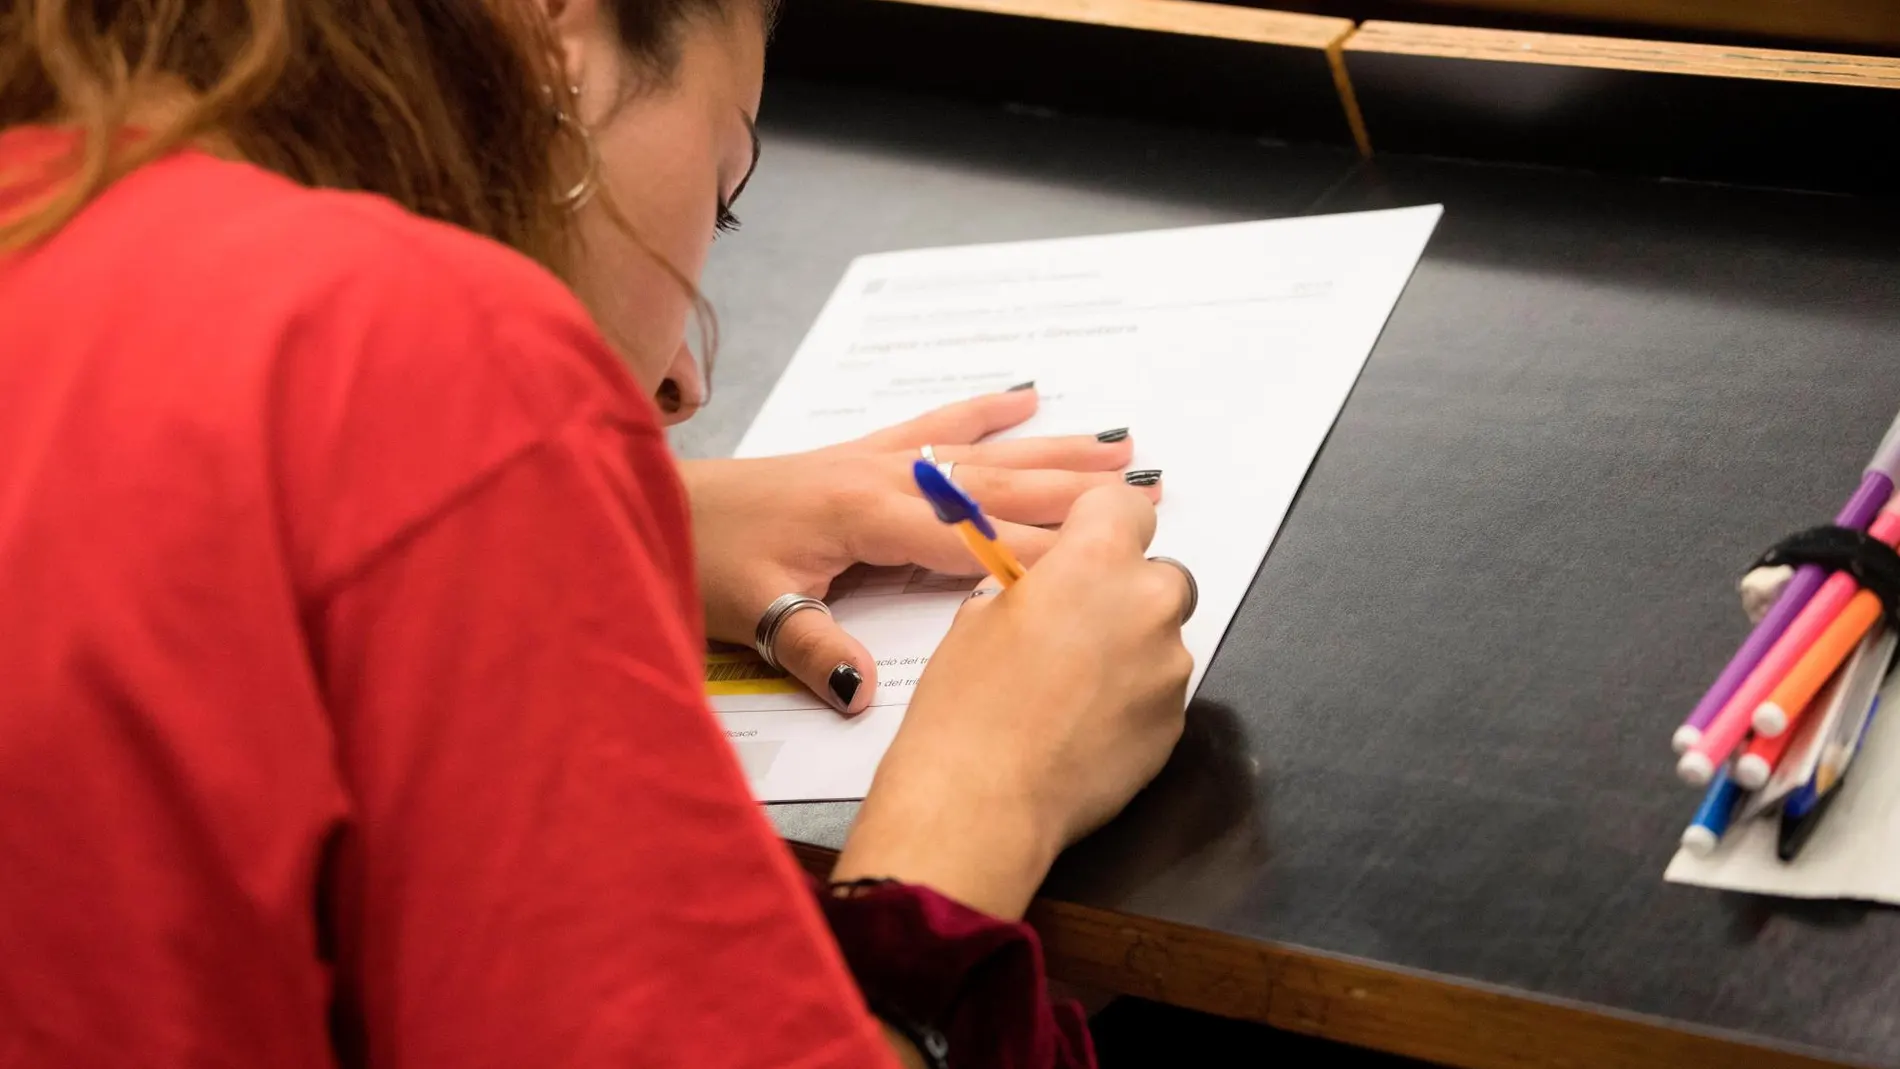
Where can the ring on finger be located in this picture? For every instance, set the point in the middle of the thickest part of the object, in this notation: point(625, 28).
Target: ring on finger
point(929, 453)
point(772, 621)
point(1194, 588)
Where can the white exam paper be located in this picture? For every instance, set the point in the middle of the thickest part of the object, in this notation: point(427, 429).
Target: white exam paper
point(1853, 852)
point(1228, 350)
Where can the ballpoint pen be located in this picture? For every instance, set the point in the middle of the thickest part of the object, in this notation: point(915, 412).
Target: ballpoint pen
point(955, 507)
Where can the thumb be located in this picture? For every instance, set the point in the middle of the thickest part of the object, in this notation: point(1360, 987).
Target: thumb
point(823, 656)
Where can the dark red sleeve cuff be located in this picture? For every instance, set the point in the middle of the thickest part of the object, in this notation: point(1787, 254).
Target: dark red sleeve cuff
point(931, 964)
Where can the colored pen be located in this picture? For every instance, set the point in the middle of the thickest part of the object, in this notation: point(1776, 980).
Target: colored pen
point(1805, 807)
point(1786, 772)
point(1718, 739)
point(1711, 819)
point(1830, 650)
point(1844, 698)
point(1846, 695)
point(1761, 757)
point(955, 507)
point(1859, 677)
point(1876, 486)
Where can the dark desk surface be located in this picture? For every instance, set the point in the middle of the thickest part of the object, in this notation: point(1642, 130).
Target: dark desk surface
point(1435, 737)
point(844, 173)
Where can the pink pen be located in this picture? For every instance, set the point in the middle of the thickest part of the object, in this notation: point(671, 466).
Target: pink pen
point(1719, 739)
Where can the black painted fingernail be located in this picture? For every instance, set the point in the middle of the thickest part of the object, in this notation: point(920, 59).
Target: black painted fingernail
point(1144, 477)
point(1021, 386)
point(844, 683)
point(1115, 435)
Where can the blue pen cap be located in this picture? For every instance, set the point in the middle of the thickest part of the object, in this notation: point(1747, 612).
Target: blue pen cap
point(950, 502)
point(1712, 816)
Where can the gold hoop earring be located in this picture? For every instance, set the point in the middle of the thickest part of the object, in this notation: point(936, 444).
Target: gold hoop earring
point(583, 189)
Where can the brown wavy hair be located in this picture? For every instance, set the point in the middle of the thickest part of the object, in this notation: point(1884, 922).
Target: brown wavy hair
point(444, 106)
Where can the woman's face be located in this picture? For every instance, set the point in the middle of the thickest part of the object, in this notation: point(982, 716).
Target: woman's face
point(674, 155)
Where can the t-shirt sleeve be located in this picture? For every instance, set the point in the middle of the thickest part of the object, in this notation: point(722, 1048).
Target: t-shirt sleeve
point(553, 859)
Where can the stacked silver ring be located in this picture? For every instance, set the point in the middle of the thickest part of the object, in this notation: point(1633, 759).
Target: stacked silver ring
point(773, 621)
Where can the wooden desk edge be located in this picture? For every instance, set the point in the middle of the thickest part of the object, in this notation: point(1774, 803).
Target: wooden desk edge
point(1620, 54)
point(1412, 1014)
point(1185, 17)
point(1837, 23)
point(1322, 35)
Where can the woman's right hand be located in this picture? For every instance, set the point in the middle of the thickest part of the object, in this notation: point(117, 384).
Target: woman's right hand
point(1043, 711)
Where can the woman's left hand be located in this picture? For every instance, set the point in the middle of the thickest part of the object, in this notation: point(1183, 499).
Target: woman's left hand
point(791, 524)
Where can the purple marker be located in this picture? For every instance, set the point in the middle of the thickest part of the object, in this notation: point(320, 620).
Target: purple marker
point(1876, 486)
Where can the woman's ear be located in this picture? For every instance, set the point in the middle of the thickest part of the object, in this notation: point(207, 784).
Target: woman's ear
point(591, 56)
point(577, 27)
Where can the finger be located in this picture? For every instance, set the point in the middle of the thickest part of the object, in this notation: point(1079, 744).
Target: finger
point(956, 424)
point(1037, 496)
point(904, 530)
point(1072, 452)
point(823, 656)
point(1117, 519)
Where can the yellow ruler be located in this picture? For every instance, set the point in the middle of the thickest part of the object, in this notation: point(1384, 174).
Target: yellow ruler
point(744, 673)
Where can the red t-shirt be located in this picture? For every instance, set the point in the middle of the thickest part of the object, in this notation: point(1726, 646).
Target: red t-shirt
point(349, 661)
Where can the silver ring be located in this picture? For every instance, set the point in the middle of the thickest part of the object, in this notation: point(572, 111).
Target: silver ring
point(773, 621)
point(945, 467)
point(929, 453)
point(1194, 588)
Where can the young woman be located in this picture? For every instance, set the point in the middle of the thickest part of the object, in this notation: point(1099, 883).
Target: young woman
point(350, 703)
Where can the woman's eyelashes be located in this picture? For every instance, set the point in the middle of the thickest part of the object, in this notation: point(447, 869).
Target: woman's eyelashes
point(724, 222)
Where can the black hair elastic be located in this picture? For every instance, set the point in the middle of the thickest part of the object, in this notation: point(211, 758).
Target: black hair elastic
point(1873, 564)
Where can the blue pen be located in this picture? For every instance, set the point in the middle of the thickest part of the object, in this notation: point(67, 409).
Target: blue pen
point(1803, 810)
point(1712, 816)
point(956, 508)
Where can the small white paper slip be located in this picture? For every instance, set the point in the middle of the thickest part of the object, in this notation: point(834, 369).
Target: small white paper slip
point(1855, 851)
point(1228, 350)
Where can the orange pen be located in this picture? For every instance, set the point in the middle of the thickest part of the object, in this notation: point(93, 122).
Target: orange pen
point(1811, 672)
